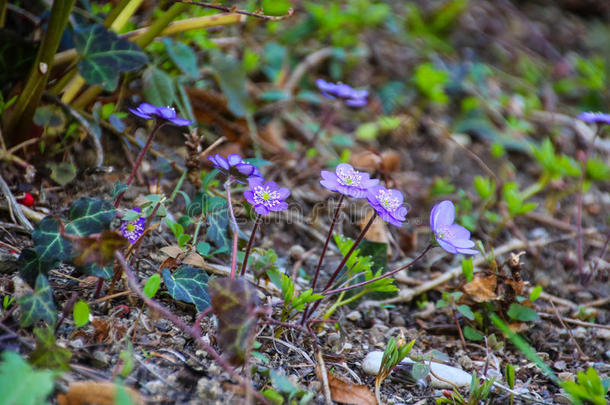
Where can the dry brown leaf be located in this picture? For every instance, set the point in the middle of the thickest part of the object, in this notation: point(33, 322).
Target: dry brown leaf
point(482, 289)
point(378, 232)
point(194, 259)
point(366, 160)
point(172, 251)
point(349, 393)
point(95, 393)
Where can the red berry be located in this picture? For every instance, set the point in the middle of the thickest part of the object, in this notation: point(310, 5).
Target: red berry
point(27, 200)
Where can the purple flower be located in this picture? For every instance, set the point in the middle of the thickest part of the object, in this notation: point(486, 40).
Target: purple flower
point(132, 230)
point(234, 165)
point(452, 237)
point(149, 112)
point(388, 204)
point(348, 181)
point(597, 117)
point(266, 197)
point(350, 96)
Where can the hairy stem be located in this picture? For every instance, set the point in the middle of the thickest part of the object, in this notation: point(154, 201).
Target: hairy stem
point(234, 226)
point(249, 247)
point(340, 266)
point(136, 166)
point(319, 266)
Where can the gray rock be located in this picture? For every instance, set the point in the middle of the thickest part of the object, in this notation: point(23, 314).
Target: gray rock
point(354, 316)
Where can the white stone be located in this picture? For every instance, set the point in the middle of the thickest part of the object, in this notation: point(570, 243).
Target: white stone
point(354, 316)
point(372, 362)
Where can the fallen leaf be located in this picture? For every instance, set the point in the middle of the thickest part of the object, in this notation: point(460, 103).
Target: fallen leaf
point(366, 160)
point(194, 259)
point(98, 249)
point(482, 289)
point(98, 393)
point(378, 232)
point(172, 251)
point(349, 393)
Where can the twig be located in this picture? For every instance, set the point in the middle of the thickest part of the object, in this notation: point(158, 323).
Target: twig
point(14, 206)
point(574, 321)
point(324, 377)
point(257, 14)
point(583, 356)
point(408, 295)
point(310, 61)
point(135, 286)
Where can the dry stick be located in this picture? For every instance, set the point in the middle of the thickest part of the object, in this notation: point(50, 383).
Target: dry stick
point(583, 356)
point(407, 295)
point(319, 266)
point(14, 206)
point(135, 286)
point(324, 377)
point(575, 321)
point(309, 62)
point(345, 259)
point(237, 11)
point(249, 247)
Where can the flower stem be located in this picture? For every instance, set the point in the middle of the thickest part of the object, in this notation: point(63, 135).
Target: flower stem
point(249, 247)
point(235, 228)
point(340, 266)
point(385, 275)
point(319, 266)
point(136, 166)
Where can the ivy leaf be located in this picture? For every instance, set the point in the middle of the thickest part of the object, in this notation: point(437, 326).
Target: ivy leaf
point(218, 220)
point(231, 77)
point(104, 55)
point(88, 216)
point(21, 384)
point(48, 243)
point(62, 173)
point(92, 269)
point(38, 305)
point(30, 266)
point(188, 284)
point(48, 354)
point(234, 302)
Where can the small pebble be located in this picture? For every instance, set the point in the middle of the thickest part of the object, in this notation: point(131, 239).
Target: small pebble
point(354, 316)
point(154, 386)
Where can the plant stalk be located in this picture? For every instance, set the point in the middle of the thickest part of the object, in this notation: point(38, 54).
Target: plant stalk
point(249, 247)
point(136, 166)
point(234, 226)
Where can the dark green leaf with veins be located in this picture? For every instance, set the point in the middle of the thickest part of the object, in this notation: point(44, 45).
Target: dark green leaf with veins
point(38, 305)
point(30, 266)
point(188, 284)
point(234, 302)
point(217, 215)
point(48, 243)
point(104, 55)
point(89, 216)
point(93, 269)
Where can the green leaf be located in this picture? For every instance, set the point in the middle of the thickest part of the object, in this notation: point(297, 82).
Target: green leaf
point(183, 56)
point(203, 248)
point(48, 243)
point(484, 186)
point(81, 313)
point(234, 302)
point(93, 269)
point(535, 293)
point(104, 55)
point(472, 334)
point(188, 284)
point(466, 311)
point(88, 216)
point(218, 220)
point(509, 375)
point(158, 87)
point(522, 313)
point(152, 285)
point(48, 354)
point(468, 269)
point(30, 265)
point(62, 173)
point(231, 77)
point(38, 305)
point(21, 384)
